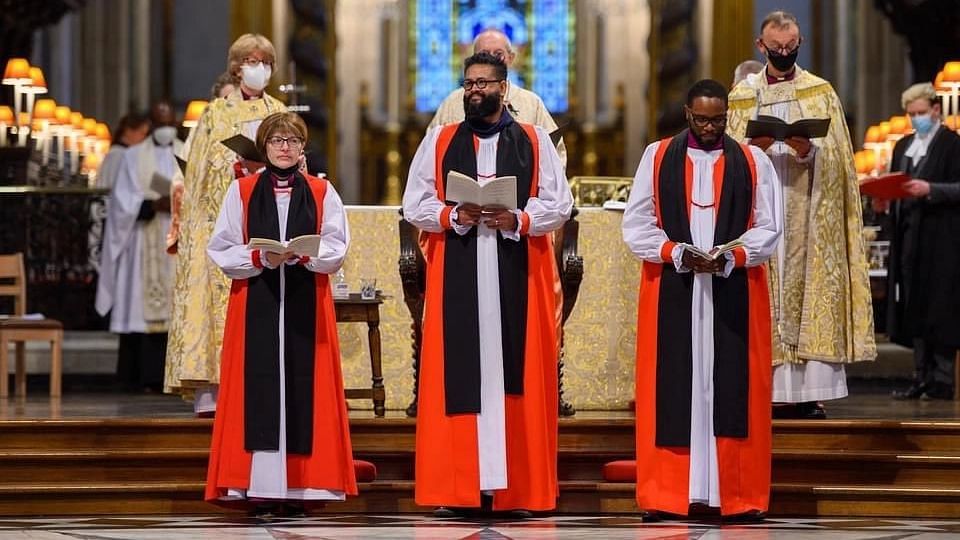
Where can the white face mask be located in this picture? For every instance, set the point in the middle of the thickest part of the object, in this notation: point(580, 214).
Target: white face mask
point(256, 77)
point(164, 135)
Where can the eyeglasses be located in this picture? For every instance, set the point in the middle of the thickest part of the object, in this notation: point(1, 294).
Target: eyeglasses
point(702, 121)
point(468, 84)
point(251, 61)
point(292, 142)
point(781, 49)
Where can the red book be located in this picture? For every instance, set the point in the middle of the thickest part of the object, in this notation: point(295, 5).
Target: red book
point(886, 186)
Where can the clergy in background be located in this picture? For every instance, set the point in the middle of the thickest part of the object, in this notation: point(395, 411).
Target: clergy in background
point(136, 274)
point(196, 329)
point(281, 430)
point(823, 314)
point(703, 329)
point(131, 130)
point(524, 105)
point(923, 300)
point(487, 409)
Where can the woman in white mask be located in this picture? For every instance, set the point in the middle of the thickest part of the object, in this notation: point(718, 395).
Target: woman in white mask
point(200, 289)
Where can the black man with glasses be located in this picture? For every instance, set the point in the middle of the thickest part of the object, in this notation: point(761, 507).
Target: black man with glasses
point(822, 301)
point(703, 216)
point(488, 400)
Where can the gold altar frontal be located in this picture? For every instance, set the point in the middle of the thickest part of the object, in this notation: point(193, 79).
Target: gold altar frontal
point(600, 339)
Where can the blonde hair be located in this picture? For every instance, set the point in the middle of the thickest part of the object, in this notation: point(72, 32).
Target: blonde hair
point(246, 45)
point(918, 91)
point(281, 122)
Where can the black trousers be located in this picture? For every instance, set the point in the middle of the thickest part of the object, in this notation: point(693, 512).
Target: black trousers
point(933, 363)
point(140, 361)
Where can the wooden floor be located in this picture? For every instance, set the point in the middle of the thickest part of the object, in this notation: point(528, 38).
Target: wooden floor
point(110, 453)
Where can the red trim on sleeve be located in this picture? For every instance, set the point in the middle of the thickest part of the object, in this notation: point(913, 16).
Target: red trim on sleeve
point(255, 258)
point(445, 217)
point(739, 257)
point(666, 251)
point(524, 223)
point(304, 260)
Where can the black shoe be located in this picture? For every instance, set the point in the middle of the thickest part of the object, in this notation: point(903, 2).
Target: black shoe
point(651, 516)
point(444, 512)
point(811, 410)
point(750, 516)
point(265, 513)
point(937, 391)
point(915, 391)
point(520, 513)
point(294, 510)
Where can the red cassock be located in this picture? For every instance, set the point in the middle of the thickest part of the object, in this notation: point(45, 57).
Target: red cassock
point(447, 466)
point(330, 464)
point(663, 472)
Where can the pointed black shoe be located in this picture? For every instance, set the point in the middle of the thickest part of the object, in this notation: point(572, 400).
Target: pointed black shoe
point(937, 391)
point(750, 516)
point(915, 391)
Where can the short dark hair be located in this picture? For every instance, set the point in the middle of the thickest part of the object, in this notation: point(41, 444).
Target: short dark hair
point(708, 88)
point(485, 58)
point(128, 122)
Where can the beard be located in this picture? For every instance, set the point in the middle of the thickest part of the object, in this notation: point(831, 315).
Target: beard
point(708, 141)
point(489, 104)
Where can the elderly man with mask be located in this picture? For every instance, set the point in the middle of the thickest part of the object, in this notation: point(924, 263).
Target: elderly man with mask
point(522, 104)
point(135, 271)
point(823, 319)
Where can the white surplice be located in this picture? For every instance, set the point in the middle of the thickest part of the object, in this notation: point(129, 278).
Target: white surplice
point(645, 240)
point(227, 249)
point(811, 380)
point(121, 280)
point(548, 212)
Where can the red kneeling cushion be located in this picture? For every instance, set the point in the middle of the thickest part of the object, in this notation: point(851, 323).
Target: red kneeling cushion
point(620, 471)
point(365, 471)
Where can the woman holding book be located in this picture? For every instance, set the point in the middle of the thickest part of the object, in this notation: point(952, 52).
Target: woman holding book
point(280, 432)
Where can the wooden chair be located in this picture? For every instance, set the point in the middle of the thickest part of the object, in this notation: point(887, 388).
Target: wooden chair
point(17, 330)
point(413, 276)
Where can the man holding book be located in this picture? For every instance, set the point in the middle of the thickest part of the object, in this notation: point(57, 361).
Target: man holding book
point(820, 288)
point(923, 301)
point(487, 410)
point(704, 214)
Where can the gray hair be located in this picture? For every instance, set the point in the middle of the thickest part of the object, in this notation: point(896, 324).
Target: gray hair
point(747, 67)
point(779, 19)
point(918, 91)
point(494, 31)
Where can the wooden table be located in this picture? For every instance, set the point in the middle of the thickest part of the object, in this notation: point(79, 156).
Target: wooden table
point(356, 309)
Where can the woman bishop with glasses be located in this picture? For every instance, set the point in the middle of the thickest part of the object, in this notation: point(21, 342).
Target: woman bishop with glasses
point(280, 435)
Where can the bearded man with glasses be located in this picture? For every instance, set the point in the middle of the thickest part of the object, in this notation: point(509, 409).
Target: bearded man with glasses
point(823, 315)
point(524, 105)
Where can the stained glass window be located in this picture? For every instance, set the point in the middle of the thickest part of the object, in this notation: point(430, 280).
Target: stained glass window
point(442, 32)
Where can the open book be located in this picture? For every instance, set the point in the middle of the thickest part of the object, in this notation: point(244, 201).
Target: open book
point(886, 186)
point(244, 147)
point(716, 252)
point(307, 245)
point(771, 126)
point(160, 184)
point(501, 191)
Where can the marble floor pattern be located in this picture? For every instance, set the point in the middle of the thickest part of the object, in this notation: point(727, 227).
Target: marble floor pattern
point(420, 527)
